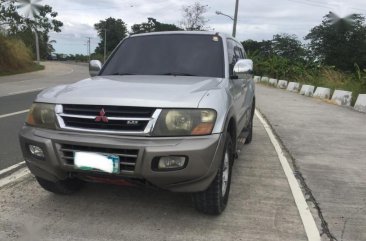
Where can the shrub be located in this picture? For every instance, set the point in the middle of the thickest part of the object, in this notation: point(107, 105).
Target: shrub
point(14, 55)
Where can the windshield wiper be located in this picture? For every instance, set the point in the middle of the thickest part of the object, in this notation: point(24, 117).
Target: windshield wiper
point(178, 74)
point(121, 73)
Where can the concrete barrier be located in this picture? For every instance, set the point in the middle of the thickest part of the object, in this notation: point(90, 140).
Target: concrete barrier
point(361, 103)
point(307, 90)
point(341, 97)
point(257, 79)
point(322, 93)
point(273, 82)
point(282, 84)
point(265, 79)
point(293, 87)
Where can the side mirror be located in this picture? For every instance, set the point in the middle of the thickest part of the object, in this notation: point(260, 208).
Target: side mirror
point(94, 67)
point(243, 67)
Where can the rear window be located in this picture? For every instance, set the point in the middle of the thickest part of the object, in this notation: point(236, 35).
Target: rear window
point(176, 54)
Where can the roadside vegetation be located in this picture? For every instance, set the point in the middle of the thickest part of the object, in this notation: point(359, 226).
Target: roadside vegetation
point(15, 57)
point(333, 56)
point(17, 36)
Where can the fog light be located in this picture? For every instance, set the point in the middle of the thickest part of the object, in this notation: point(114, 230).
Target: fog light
point(36, 151)
point(172, 162)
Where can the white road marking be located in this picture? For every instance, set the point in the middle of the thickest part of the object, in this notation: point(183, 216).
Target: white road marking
point(24, 91)
point(308, 221)
point(14, 113)
point(11, 168)
point(14, 177)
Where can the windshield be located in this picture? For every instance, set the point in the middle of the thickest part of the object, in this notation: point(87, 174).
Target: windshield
point(177, 54)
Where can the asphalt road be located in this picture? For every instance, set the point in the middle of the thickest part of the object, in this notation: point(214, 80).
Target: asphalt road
point(261, 207)
point(17, 94)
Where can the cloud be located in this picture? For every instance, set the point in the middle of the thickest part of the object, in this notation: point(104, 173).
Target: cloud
point(257, 19)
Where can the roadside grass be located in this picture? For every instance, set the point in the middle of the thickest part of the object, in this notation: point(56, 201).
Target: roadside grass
point(31, 68)
point(335, 80)
point(15, 57)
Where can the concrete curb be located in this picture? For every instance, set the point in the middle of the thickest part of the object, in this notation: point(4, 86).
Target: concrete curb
point(341, 97)
point(257, 79)
point(265, 79)
point(361, 103)
point(293, 87)
point(307, 90)
point(10, 170)
point(322, 93)
point(273, 82)
point(282, 84)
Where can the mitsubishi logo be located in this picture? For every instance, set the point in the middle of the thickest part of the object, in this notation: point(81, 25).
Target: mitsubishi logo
point(102, 117)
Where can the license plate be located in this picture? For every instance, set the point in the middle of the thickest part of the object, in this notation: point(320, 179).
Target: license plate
point(89, 161)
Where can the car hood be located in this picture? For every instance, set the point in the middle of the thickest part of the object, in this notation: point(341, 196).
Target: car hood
point(147, 91)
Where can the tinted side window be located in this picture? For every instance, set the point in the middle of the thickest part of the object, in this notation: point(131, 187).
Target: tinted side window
point(232, 55)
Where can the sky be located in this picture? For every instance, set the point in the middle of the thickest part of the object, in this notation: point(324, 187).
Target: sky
point(257, 20)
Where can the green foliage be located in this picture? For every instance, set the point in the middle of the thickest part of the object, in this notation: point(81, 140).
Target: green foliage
point(23, 28)
point(340, 42)
point(153, 25)
point(116, 31)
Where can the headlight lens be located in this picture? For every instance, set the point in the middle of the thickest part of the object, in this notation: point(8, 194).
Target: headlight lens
point(42, 116)
point(185, 122)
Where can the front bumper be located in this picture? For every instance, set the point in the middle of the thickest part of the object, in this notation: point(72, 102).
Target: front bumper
point(204, 156)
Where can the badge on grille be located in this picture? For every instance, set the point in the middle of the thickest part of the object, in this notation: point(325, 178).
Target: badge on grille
point(102, 117)
point(132, 122)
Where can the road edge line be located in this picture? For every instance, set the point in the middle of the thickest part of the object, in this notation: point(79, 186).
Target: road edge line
point(307, 218)
point(23, 92)
point(14, 113)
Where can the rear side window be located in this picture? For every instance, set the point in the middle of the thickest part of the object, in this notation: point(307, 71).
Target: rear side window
point(169, 54)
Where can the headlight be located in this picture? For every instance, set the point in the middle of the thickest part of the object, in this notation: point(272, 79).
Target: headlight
point(185, 122)
point(42, 116)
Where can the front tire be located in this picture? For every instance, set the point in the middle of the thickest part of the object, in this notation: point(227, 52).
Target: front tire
point(249, 138)
point(215, 198)
point(64, 187)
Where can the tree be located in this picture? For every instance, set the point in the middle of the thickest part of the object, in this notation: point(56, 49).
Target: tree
point(22, 27)
point(263, 48)
point(193, 17)
point(153, 25)
point(9, 17)
point(339, 42)
point(116, 31)
point(288, 46)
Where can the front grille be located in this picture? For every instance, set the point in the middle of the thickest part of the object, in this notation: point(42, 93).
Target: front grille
point(120, 125)
point(121, 119)
point(127, 157)
point(111, 111)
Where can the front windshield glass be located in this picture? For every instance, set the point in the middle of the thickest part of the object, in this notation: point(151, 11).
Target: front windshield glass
point(176, 54)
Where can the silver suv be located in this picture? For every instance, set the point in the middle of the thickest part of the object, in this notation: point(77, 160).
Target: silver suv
point(166, 110)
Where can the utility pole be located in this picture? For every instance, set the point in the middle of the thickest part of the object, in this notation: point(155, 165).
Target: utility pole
point(105, 44)
point(88, 47)
point(37, 45)
point(235, 18)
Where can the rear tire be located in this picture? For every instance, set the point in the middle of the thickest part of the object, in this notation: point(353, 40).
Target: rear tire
point(214, 200)
point(64, 187)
